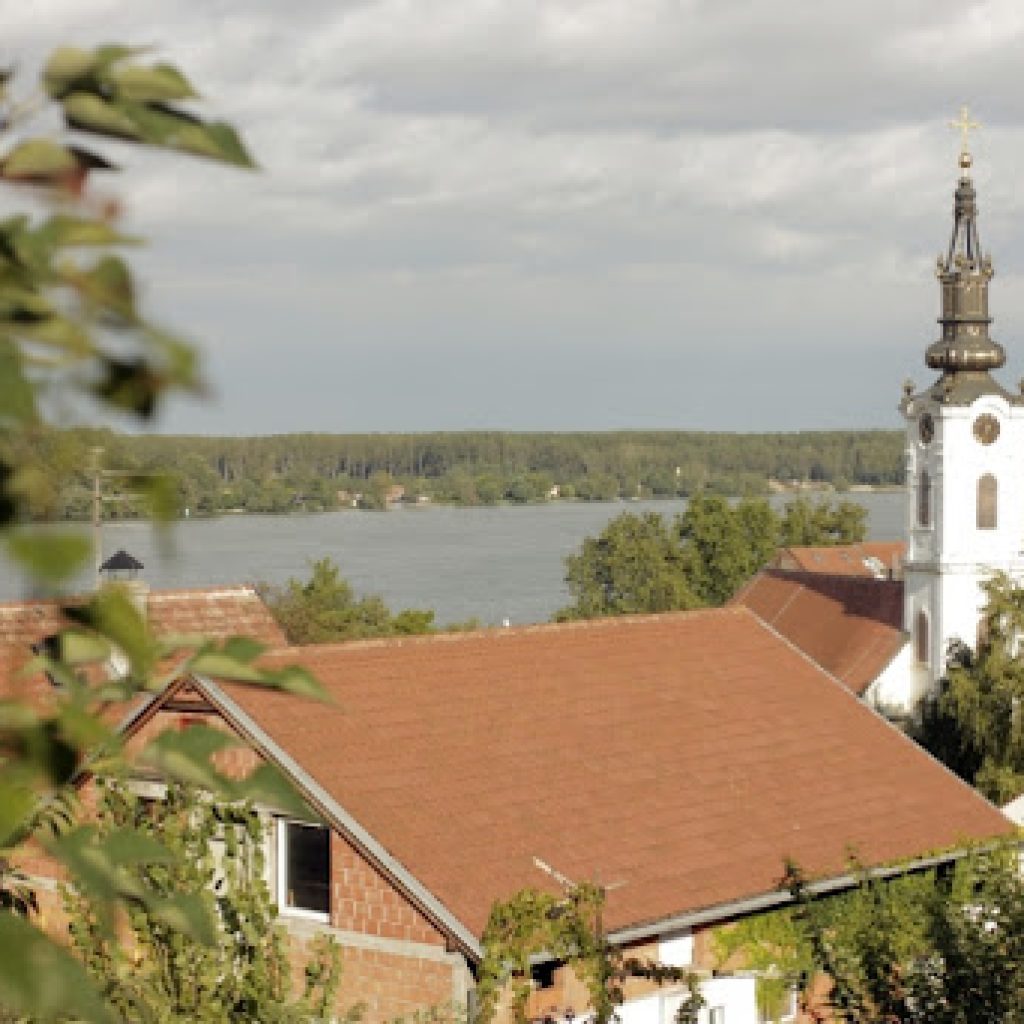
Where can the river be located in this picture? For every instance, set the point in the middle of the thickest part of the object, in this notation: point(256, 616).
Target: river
point(489, 563)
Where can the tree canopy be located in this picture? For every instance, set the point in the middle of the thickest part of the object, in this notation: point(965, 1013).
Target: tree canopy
point(313, 472)
point(324, 608)
point(643, 564)
point(974, 722)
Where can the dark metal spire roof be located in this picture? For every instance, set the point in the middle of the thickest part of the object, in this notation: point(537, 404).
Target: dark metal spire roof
point(121, 561)
point(964, 273)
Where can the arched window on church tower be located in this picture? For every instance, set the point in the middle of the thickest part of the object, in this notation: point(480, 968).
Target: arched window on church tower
point(921, 637)
point(924, 499)
point(987, 502)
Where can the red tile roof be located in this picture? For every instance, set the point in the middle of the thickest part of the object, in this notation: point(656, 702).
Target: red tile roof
point(850, 625)
point(217, 612)
point(865, 559)
point(683, 755)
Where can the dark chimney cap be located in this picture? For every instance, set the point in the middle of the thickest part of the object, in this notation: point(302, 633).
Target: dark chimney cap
point(121, 561)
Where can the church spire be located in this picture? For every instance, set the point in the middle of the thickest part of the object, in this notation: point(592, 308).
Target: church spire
point(964, 273)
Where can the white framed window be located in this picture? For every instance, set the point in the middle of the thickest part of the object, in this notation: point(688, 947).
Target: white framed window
point(716, 1015)
point(304, 869)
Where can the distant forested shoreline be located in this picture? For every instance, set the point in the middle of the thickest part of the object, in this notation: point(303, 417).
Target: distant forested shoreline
point(317, 472)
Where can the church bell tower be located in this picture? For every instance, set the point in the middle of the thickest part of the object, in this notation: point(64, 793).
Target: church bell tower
point(964, 455)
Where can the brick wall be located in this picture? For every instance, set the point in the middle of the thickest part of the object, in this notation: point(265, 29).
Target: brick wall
point(394, 960)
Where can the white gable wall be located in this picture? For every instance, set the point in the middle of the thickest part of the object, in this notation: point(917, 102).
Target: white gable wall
point(901, 684)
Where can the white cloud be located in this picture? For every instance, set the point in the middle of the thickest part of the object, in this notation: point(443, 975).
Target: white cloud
point(637, 150)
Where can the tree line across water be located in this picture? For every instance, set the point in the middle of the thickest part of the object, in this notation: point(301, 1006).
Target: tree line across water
point(317, 472)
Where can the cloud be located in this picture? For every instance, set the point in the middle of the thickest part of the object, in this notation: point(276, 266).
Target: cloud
point(780, 171)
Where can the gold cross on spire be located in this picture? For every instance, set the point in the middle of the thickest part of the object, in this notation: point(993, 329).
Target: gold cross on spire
point(965, 126)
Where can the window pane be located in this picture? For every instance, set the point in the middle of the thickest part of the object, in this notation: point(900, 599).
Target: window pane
point(924, 499)
point(921, 635)
point(308, 867)
point(987, 502)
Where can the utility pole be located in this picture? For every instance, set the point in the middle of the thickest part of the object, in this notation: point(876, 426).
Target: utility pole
point(97, 511)
point(99, 474)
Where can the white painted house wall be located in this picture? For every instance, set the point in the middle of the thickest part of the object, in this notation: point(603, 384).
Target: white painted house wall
point(897, 689)
point(734, 996)
point(949, 559)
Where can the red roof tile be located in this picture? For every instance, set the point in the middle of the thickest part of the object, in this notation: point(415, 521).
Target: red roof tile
point(217, 612)
point(682, 755)
point(850, 625)
point(869, 558)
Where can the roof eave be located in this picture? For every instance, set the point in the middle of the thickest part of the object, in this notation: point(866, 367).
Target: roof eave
point(721, 912)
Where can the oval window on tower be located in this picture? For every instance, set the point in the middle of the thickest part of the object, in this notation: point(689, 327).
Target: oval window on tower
point(987, 502)
point(924, 499)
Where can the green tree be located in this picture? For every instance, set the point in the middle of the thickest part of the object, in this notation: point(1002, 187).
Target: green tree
point(927, 948)
point(324, 609)
point(814, 524)
point(724, 544)
point(974, 722)
point(635, 565)
point(152, 972)
point(565, 928)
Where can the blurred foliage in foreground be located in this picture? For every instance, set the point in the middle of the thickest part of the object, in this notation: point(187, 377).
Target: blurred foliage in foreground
point(72, 332)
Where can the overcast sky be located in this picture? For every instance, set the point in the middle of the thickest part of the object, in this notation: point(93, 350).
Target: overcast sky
point(566, 214)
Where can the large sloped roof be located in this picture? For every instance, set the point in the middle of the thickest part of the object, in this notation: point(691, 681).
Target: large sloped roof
point(850, 625)
point(683, 756)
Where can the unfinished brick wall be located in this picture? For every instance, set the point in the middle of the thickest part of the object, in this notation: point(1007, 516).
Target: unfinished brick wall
point(394, 960)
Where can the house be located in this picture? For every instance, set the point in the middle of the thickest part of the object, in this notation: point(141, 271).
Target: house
point(682, 757)
point(214, 612)
point(880, 559)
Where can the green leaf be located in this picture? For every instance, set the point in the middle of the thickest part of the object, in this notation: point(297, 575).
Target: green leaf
point(159, 82)
point(62, 230)
point(67, 66)
point(38, 159)
point(243, 648)
point(175, 129)
point(78, 648)
point(58, 332)
point(50, 557)
point(268, 786)
point(129, 384)
point(160, 493)
point(17, 399)
point(88, 113)
point(185, 756)
point(16, 806)
point(187, 913)
point(109, 284)
point(40, 979)
point(112, 614)
point(127, 846)
point(91, 864)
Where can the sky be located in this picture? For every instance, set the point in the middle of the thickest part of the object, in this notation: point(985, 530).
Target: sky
point(564, 214)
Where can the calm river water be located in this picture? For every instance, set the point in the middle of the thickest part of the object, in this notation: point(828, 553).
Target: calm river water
point(489, 563)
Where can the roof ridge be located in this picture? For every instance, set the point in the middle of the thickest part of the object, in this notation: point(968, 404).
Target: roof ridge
point(216, 589)
point(498, 632)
